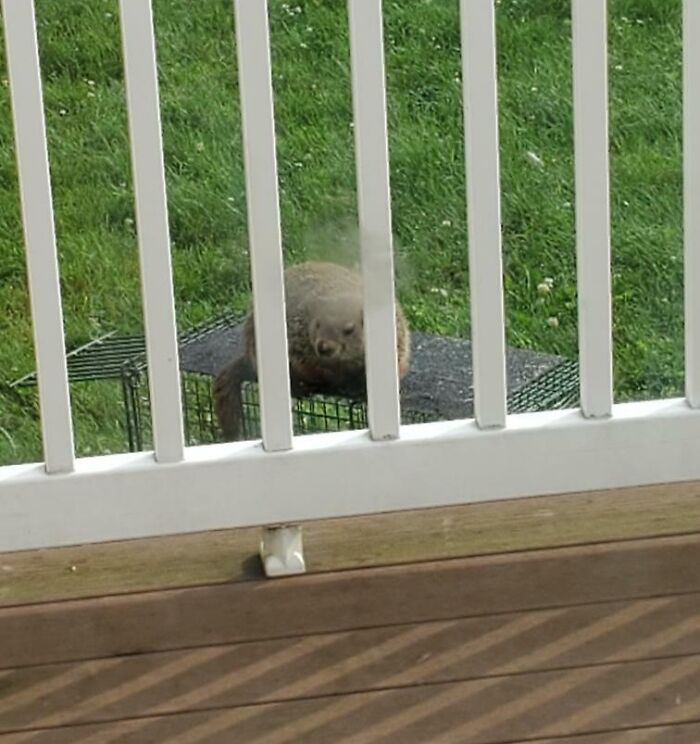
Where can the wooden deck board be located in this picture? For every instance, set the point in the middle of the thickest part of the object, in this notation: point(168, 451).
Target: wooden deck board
point(330, 545)
point(688, 733)
point(484, 711)
point(93, 628)
point(129, 732)
point(593, 644)
point(348, 662)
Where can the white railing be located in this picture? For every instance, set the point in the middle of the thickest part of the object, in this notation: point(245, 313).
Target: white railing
point(179, 489)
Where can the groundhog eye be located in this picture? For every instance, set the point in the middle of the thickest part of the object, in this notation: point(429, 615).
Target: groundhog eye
point(349, 329)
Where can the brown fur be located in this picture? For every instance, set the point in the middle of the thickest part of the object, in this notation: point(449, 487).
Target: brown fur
point(325, 338)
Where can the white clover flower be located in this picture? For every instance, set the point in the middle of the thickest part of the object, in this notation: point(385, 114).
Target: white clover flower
point(439, 290)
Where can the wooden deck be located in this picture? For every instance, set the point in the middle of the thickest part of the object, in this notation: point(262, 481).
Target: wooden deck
point(583, 644)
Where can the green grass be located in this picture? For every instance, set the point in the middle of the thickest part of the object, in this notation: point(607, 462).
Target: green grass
point(86, 120)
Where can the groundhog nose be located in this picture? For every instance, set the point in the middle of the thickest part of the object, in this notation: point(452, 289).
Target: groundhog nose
point(324, 348)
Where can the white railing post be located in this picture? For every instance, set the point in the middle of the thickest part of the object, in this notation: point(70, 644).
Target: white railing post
point(141, 78)
point(267, 269)
point(37, 213)
point(691, 196)
point(374, 207)
point(590, 78)
point(484, 211)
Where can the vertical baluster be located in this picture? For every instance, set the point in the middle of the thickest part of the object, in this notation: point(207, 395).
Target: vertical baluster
point(374, 205)
point(152, 225)
point(257, 110)
point(592, 205)
point(37, 213)
point(691, 189)
point(484, 211)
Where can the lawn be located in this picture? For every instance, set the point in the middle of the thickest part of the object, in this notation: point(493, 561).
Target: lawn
point(86, 120)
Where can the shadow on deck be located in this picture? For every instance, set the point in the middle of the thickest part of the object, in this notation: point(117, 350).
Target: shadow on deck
point(594, 644)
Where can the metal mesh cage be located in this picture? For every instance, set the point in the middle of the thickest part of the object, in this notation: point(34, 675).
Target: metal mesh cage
point(556, 388)
point(311, 415)
point(546, 383)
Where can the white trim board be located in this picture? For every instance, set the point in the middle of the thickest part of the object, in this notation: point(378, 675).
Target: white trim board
point(343, 474)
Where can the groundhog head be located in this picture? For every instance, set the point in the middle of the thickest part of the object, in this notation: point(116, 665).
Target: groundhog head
point(336, 329)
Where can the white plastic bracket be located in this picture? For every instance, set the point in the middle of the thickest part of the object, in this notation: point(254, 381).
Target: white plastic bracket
point(282, 551)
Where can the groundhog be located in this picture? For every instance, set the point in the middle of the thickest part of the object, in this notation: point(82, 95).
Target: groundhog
point(325, 338)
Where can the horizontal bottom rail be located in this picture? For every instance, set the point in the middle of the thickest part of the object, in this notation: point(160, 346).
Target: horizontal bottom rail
point(345, 474)
point(394, 538)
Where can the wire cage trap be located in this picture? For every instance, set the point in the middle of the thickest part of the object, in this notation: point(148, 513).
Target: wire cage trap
point(437, 386)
